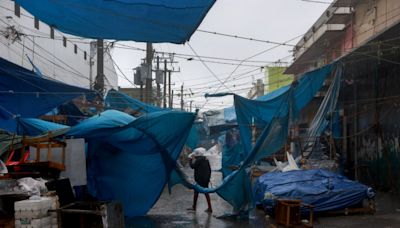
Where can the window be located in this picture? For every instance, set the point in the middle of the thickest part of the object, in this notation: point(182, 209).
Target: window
point(85, 55)
point(51, 32)
point(17, 9)
point(36, 23)
point(64, 41)
point(75, 48)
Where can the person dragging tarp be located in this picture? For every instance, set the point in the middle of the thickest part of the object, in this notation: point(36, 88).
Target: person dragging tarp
point(202, 174)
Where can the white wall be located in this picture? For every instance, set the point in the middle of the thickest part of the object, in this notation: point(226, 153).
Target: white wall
point(49, 55)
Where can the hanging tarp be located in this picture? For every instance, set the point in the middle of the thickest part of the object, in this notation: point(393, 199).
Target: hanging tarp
point(124, 103)
point(260, 112)
point(273, 117)
point(153, 21)
point(325, 190)
point(130, 159)
point(34, 127)
point(23, 94)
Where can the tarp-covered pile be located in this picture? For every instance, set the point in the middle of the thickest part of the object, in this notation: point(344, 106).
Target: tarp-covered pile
point(325, 190)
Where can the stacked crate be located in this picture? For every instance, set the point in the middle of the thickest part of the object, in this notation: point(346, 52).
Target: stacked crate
point(34, 213)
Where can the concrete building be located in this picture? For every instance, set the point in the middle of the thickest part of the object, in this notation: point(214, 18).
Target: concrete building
point(60, 56)
point(363, 36)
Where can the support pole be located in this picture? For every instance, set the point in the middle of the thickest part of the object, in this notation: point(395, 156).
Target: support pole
point(169, 89)
point(182, 103)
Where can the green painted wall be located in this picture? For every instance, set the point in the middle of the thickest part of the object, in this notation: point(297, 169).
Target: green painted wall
point(275, 78)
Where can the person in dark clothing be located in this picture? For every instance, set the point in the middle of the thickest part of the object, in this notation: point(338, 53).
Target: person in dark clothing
point(202, 174)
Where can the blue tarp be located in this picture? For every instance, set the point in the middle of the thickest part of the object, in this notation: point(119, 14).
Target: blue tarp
point(272, 117)
point(138, 20)
point(23, 94)
point(34, 127)
point(130, 159)
point(325, 190)
point(122, 102)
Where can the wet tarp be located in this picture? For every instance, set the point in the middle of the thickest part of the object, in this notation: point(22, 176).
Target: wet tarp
point(130, 159)
point(273, 117)
point(120, 101)
point(34, 127)
point(325, 190)
point(23, 94)
point(138, 20)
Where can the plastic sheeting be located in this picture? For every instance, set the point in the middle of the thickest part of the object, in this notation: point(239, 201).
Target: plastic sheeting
point(130, 159)
point(273, 117)
point(122, 102)
point(34, 127)
point(138, 20)
point(325, 190)
point(23, 94)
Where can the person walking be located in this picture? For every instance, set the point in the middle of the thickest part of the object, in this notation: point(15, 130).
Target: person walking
point(202, 174)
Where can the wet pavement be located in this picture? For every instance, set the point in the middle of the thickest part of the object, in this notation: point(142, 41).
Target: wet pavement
point(171, 211)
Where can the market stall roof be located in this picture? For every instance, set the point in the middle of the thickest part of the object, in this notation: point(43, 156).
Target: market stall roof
point(153, 21)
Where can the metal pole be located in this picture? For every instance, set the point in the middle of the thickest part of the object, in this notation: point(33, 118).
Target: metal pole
point(191, 106)
point(172, 99)
point(165, 84)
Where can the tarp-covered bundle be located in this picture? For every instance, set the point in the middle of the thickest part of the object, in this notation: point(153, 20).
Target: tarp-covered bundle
point(138, 20)
point(130, 159)
point(325, 190)
point(24, 94)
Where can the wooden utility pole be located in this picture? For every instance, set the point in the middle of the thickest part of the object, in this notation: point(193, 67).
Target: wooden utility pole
point(172, 100)
point(165, 84)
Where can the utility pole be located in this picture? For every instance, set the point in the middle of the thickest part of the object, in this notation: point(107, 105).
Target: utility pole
point(165, 83)
point(171, 105)
point(149, 59)
point(169, 89)
point(182, 97)
point(158, 83)
point(99, 81)
point(191, 106)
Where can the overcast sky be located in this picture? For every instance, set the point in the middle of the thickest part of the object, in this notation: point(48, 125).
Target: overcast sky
point(272, 20)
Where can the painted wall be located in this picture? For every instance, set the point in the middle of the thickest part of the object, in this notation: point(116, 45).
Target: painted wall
point(49, 55)
point(275, 78)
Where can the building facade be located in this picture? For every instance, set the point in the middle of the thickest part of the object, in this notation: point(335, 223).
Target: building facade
point(69, 59)
point(362, 36)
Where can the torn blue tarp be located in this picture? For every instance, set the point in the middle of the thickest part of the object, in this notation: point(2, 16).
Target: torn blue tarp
point(325, 190)
point(273, 117)
point(153, 21)
point(130, 159)
point(23, 94)
point(122, 102)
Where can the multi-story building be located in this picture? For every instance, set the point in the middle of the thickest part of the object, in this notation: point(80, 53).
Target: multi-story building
point(362, 36)
point(66, 58)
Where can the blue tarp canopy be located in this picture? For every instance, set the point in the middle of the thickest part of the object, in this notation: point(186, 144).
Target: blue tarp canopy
point(24, 94)
point(325, 190)
point(34, 127)
point(122, 102)
point(130, 159)
point(153, 21)
point(273, 117)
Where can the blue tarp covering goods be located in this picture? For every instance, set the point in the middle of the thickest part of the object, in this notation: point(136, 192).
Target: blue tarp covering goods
point(272, 116)
point(153, 21)
point(23, 94)
point(325, 190)
point(122, 102)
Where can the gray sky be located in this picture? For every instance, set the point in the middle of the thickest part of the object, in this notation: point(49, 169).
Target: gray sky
point(272, 20)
